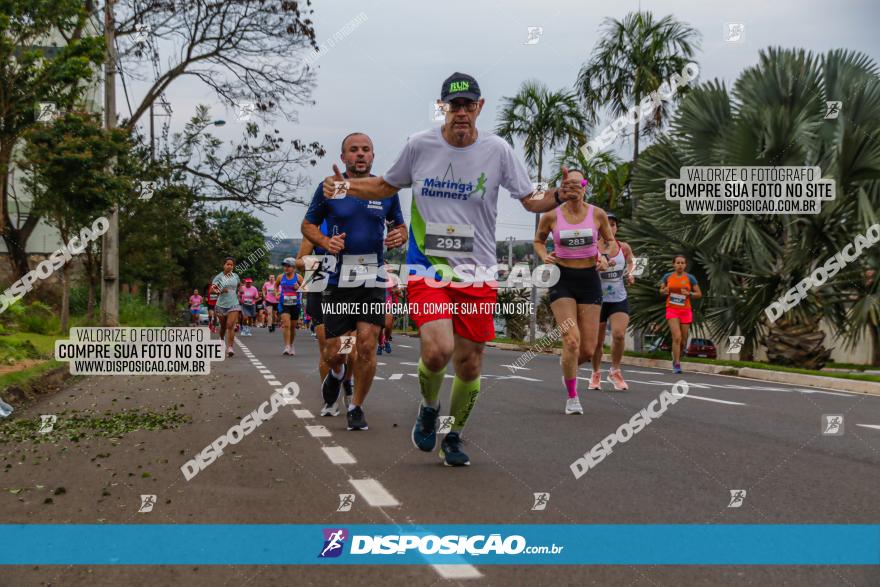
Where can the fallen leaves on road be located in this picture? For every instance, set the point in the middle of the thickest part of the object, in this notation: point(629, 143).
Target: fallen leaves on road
point(75, 426)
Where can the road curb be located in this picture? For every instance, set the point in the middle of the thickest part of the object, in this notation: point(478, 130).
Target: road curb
point(835, 383)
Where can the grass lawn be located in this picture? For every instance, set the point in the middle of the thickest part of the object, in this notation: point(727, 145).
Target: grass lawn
point(45, 343)
point(25, 375)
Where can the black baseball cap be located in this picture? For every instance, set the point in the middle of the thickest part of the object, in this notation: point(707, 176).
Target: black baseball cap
point(460, 85)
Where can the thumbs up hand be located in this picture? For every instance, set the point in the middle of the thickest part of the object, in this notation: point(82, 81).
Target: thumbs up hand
point(335, 185)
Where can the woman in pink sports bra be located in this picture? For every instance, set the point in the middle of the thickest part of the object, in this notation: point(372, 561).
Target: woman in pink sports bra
point(576, 298)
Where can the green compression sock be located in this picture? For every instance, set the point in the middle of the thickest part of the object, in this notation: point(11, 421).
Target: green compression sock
point(464, 396)
point(430, 383)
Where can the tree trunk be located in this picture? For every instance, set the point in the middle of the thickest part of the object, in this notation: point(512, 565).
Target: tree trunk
point(797, 343)
point(747, 353)
point(874, 329)
point(93, 274)
point(5, 162)
point(65, 297)
point(16, 243)
point(15, 237)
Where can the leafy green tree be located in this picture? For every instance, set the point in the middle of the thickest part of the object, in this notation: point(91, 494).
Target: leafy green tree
point(240, 235)
point(66, 165)
point(773, 115)
point(167, 242)
point(543, 121)
point(633, 57)
point(35, 68)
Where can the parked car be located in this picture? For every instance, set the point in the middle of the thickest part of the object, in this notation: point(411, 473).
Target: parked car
point(701, 347)
point(657, 344)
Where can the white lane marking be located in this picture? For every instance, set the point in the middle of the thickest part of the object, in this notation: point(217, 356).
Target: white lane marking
point(264, 371)
point(275, 383)
point(520, 377)
point(303, 414)
point(412, 374)
point(395, 376)
point(665, 384)
point(804, 390)
point(874, 426)
point(404, 346)
point(377, 377)
point(516, 367)
point(373, 492)
point(749, 379)
point(626, 369)
point(712, 399)
point(381, 364)
point(318, 431)
point(458, 571)
point(338, 455)
point(408, 363)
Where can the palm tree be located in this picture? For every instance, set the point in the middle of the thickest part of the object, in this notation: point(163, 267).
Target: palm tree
point(773, 115)
point(607, 178)
point(632, 59)
point(543, 121)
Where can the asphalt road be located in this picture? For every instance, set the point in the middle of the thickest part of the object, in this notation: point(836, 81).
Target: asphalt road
point(727, 434)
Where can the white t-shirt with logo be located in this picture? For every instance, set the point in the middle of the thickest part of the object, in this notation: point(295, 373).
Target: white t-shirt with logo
point(455, 197)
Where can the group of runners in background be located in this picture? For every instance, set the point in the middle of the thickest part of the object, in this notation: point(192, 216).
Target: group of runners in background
point(455, 173)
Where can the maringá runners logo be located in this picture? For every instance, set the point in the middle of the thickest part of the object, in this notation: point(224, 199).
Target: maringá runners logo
point(453, 188)
point(334, 542)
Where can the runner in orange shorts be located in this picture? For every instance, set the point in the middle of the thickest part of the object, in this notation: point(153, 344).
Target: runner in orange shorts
point(679, 288)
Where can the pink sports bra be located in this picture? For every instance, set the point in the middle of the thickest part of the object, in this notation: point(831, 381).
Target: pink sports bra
point(575, 241)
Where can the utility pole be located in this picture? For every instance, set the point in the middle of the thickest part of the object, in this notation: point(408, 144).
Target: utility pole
point(152, 136)
point(510, 240)
point(110, 240)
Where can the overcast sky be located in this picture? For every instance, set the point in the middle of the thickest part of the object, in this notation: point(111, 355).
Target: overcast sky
point(383, 77)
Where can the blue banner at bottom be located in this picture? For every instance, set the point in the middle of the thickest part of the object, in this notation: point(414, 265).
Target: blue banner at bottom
point(163, 544)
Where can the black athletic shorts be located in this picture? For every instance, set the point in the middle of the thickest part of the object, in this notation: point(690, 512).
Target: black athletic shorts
point(313, 307)
point(260, 306)
point(344, 307)
point(291, 310)
point(609, 308)
point(583, 285)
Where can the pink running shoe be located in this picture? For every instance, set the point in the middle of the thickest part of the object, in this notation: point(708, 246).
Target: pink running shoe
point(615, 377)
point(595, 380)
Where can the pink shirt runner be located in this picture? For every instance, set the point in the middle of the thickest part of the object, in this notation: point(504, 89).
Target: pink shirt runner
point(249, 295)
point(269, 292)
point(575, 241)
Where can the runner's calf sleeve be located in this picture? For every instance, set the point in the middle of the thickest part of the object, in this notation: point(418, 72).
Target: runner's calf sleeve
point(430, 383)
point(464, 396)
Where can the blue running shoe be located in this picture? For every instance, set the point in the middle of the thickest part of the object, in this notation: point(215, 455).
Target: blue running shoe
point(387, 347)
point(450, 451)
point(379, 350)
point(424, 433)
point(676, 368)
